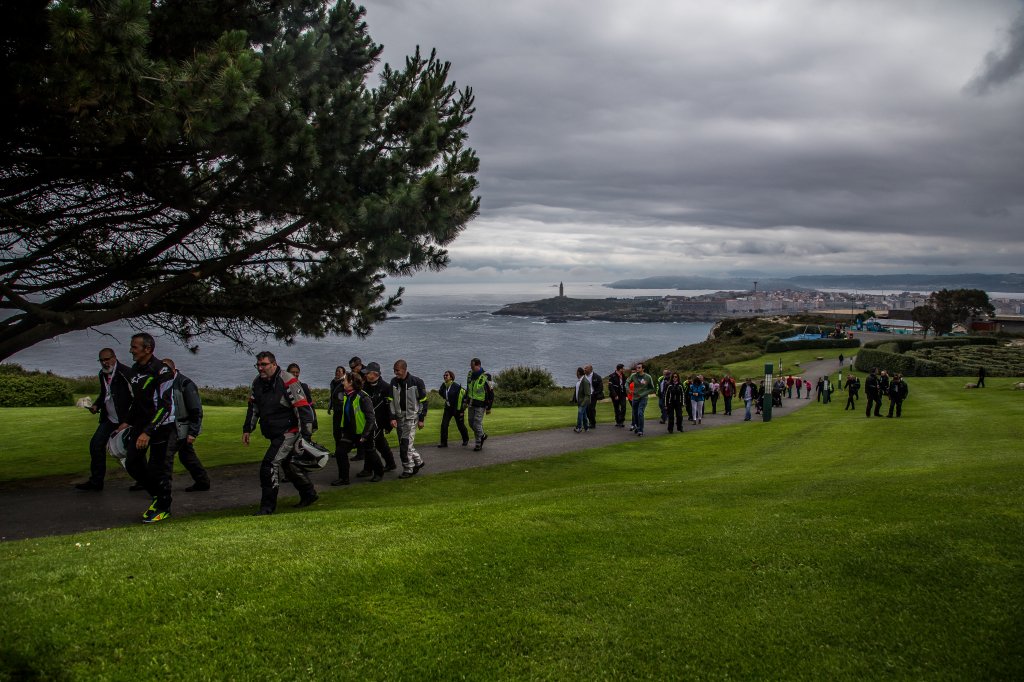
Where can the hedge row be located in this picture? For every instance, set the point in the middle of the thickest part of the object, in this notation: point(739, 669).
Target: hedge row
point(907, 365)
point(34, 390)
point(903, 345)
point(776, 346)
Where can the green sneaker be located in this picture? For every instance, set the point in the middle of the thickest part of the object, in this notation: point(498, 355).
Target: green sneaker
point(154, 516)
point(150, 510)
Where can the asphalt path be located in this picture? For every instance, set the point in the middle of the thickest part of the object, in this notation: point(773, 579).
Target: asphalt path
point(52, 506)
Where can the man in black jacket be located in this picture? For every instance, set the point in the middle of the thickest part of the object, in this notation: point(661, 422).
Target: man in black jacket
point(188, 415)
point(112, 404)
point(279, 406)
point(379, 392)
point(151, 418)
point(874, 397)
point(617, 391)
point(898, 392)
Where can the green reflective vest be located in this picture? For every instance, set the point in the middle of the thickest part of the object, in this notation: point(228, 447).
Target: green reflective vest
point(356, 409)
point(476, 389)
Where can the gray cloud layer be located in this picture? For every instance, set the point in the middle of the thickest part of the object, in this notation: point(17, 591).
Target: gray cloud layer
point(801, 136)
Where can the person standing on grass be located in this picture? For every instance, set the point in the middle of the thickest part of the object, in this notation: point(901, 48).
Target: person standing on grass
point(883, 390)
point(151, 417)
point(748, 394)
point(354, 428)
point(898, 392)
point(617, 390)
point(852, 386)
point(188, 415)
point(981, 377)
point(674, 399)
point(871, 390)
point(581, 396)
point(112, 404)
point(278, 405)
point(643, 387)
point(480, 392)
point(819, 389)
point(454, 397)
point(408, 413)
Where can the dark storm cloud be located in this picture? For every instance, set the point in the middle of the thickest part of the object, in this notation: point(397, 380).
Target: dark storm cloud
point(730, 134)
point(1003, 65)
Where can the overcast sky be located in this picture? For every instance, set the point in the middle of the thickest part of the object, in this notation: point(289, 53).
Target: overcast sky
point(622, 139)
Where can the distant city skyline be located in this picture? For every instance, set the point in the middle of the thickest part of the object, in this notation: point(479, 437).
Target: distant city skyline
point(798, 137)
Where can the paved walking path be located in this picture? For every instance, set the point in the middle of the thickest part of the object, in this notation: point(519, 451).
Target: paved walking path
point(51, 506)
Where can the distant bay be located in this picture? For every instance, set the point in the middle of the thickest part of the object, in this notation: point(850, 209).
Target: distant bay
point(438, 327)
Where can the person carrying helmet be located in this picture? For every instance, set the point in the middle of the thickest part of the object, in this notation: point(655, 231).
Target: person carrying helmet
point(113, 403)
point(278, 405)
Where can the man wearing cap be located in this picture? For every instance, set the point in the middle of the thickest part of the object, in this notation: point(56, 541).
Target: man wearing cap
point(112, 405)
point(379, 392)
point(408, 411)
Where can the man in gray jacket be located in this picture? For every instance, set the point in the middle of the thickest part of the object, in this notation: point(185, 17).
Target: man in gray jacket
point(408, 411)
point(188, 411)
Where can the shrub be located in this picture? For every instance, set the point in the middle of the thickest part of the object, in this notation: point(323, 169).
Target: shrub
point(34, 390)
point(776, 346)
point(522, 378)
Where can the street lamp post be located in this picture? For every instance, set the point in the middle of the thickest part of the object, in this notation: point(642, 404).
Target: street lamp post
point(766, 399)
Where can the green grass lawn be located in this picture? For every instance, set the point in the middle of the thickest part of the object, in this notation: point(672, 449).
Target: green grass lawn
point(755, 368)
point(47, 441)
point(819, 546)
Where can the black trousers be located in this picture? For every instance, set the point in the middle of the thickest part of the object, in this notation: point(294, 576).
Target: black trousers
point(98, 451)
point(619, 406)
point(728, 404)
point(675, 416)
point(850, 404)
point(714, 403)
point(383, 447)
point(592, 413)
point(460, 424)
point(876, 402)
point(156, 471)
point(190, 460)
point(898, 406)
point(345, 444)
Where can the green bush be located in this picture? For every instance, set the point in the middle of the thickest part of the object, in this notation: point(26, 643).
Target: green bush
point(522, 378)
point(34, 390)
point(776, 346)
point(956, 341)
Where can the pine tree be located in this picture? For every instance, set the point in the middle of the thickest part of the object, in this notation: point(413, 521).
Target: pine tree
point(219, 168)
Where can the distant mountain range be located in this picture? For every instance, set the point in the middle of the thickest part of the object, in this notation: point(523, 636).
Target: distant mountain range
point(1010, 283)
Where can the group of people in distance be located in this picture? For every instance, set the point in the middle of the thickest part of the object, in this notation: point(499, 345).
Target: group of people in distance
point(878, 385)
point(675, 395)
point(149, 412)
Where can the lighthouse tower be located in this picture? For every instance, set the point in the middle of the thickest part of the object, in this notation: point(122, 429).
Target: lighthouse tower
point(561, 290)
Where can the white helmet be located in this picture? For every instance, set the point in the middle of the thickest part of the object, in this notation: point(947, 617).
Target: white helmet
point(117, 445)
point(309, 455)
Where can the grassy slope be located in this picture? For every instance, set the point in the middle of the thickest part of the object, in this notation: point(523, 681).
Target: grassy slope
point(819, 546)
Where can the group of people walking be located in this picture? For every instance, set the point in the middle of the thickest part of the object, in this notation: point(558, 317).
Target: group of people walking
point(150, 412)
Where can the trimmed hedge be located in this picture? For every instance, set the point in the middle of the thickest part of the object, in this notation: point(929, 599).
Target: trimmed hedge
point(776, 346)
point(34, 390)
point(907, 365)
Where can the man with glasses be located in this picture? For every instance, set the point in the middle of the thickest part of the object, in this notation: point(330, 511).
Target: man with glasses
point(112, 405)
point(278, 404)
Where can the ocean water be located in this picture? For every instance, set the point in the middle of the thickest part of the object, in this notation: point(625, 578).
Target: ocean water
point(438, 327)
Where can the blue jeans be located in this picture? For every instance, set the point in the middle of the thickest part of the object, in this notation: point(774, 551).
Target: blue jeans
point(746, 416)
point(581, 417)
point(639, 405)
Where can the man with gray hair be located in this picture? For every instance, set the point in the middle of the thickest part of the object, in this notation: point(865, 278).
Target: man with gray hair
point(112, 405)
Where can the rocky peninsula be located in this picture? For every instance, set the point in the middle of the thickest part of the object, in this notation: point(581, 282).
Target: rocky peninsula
point(642, 309)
